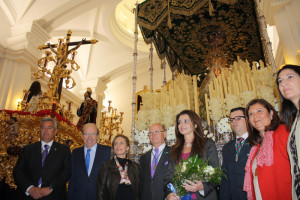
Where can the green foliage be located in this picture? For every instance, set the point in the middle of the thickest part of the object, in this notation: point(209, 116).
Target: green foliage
point(195, 169)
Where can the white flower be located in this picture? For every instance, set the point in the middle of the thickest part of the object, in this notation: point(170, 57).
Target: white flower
point(209, 170)
point(223, 126)
point(183, 167)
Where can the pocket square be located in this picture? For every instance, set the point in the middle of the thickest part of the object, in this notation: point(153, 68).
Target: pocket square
point(166, 162)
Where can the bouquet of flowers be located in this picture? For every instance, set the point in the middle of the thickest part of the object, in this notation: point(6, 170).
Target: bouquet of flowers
point(192, 169)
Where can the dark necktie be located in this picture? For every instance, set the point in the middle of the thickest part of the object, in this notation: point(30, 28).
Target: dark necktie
point(45, 153)
point(154, 162)
point(87, 160)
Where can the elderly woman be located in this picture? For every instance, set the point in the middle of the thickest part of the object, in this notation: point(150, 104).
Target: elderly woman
point(119, 177)
point(288, 83)
point(267, 170)
point(191, 141)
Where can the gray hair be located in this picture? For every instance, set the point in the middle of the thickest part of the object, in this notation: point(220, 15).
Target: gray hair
point(49, 119)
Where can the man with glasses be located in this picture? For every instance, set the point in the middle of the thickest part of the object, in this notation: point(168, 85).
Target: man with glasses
point(154, 164)
point(235, 155)
point(86, 163)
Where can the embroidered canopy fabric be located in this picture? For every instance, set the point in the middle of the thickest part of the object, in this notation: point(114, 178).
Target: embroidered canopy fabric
point(202, 33)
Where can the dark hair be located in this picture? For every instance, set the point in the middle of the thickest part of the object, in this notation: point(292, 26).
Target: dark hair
point(125, 138)
point(34, 90)
point(288, 110)
point(238, 108)
point(254, 135)
point(199, 139)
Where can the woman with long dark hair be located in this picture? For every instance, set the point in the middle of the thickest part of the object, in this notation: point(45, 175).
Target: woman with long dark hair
point(119, 177)
point(267, 170)
point(190, 141)
point(288, 83)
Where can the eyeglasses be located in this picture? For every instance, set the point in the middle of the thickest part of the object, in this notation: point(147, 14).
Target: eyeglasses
point(155, 133)
point(92, 134)
point(237, 118)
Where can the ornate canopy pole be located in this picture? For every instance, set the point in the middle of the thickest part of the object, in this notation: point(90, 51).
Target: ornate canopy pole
point(266, 44)
point(134, 77)
point(164, 68)
point(151, 67)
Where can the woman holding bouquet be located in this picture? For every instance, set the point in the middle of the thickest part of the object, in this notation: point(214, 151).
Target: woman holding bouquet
point(288, 83)
point(119, 177)
point(191, 141)
point(268, 167)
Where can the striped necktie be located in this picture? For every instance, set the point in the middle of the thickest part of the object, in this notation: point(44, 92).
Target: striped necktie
point(239, 144)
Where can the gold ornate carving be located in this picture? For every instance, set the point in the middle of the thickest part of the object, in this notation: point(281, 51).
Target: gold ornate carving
point(110, 124)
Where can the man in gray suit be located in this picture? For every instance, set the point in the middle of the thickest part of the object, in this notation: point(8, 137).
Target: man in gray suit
point(154, 164)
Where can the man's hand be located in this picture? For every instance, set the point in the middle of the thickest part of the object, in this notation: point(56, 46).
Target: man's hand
point(45, 191)
point(35, 192)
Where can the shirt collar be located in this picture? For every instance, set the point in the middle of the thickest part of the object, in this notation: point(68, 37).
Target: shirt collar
point(161, 147)
point(94, 148)
point(244, 136)
point(49, 144)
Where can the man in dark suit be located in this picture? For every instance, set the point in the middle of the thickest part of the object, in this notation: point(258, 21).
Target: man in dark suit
point(154, 164)
point(44, 167)
point(235, 156)
point(86, 163)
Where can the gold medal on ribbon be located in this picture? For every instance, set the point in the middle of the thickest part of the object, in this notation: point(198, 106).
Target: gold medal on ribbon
point(154, 167)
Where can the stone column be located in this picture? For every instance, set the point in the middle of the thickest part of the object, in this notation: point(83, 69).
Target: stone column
point(101, 87)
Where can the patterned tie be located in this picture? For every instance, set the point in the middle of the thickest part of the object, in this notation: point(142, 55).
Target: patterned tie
point(45, 153)
point(154, 162)
point(87, 160)
point(239, 144)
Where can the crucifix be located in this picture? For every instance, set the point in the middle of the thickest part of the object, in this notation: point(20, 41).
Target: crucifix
point(64, 57)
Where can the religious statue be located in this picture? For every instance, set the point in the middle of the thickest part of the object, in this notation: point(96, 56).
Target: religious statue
point(32, 97)
point(88, 110)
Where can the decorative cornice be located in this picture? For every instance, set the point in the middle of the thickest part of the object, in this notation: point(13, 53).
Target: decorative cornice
point(28, 36)
point(19, 55)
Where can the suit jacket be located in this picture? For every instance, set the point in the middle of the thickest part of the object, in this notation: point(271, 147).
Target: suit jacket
point(56, 171)
point(152, 188)
point(82, 186)
point(210, 153)
point(275, 181)
point(109, 180)
point(233, 182)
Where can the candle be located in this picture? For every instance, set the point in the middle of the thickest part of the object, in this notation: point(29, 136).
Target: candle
point(196, 95)
point(53, 110)
point(207, 111)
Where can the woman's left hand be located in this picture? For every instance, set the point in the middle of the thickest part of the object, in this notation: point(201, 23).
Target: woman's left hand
point(193, 186)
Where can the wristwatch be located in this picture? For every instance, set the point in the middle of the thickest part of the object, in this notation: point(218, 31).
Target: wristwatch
point(50, 187)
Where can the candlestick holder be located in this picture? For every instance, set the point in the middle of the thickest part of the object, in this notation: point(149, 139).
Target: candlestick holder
point(110, 124)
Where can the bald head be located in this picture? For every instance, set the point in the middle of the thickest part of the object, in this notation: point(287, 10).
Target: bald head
point(157, 134)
